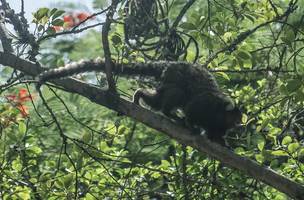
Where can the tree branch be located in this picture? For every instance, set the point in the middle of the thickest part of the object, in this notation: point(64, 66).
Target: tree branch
point(182, 13)
point(105, 42)
point(21, 27)
point(163, 124)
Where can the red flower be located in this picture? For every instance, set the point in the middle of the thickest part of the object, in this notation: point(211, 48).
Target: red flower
point(19, 100)
point(23, 110)
point(24, 96)
point(82, 16)
point(73, 19)
point(57, 28)
point(69, 21)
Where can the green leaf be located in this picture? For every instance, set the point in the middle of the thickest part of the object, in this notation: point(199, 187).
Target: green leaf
point(244, 55)
point(68, 180)
point(288, 37)
point(227, 36)
point(122, 130)
point(263, 125)
point(86, 137)
point(247, 64)
point(239, 150)
point(52, 12)
point(44, 20)
point(224, 75)
point(188, 26)
point(293, 85)
point(24, 195)
point(301, 154)
point(286, 140)
point(60, 62)
point(22, 127)
point(50, 31)
point(59, 183)
point(244, 118)
point(279, 153)
point(104, 146)
point(90, 197)
point(250, 17)
point(156, 175)
point(261, 144)
point(258, 139)
point(58, 22)
point(58, 13)
point(293, 147)
point(42, 12)
point(274, 163)
point(34, 149)
point(299, 96)
point(125, 160)
point(16, 165)
point(13, 136)
point(165, 164)
point(116, 39)
point(259, 158)
point(45, 177)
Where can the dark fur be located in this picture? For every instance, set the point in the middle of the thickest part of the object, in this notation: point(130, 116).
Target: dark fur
point(198, 95)
point(69, 70)
point(193, 90)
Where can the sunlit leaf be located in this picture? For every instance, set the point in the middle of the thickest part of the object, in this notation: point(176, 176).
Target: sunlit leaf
point(293, 147)
point(279, 153)
point(286, 140)
point(22, 127)
point(42, 12)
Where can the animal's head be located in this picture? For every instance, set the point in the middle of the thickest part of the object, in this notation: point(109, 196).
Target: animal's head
point(233, 115)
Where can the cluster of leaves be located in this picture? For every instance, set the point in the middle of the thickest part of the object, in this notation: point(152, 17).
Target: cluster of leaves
point(46, 19)
point(49, 21)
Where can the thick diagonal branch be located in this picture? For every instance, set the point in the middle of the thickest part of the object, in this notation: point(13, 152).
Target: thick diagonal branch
point(160, 123)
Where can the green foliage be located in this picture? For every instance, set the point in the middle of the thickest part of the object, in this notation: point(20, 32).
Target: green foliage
point(87, 47)
point(45, 19)
point(104, 155)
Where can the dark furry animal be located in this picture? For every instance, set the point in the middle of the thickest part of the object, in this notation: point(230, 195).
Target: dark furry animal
point(198, 95)
point(192, 90)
